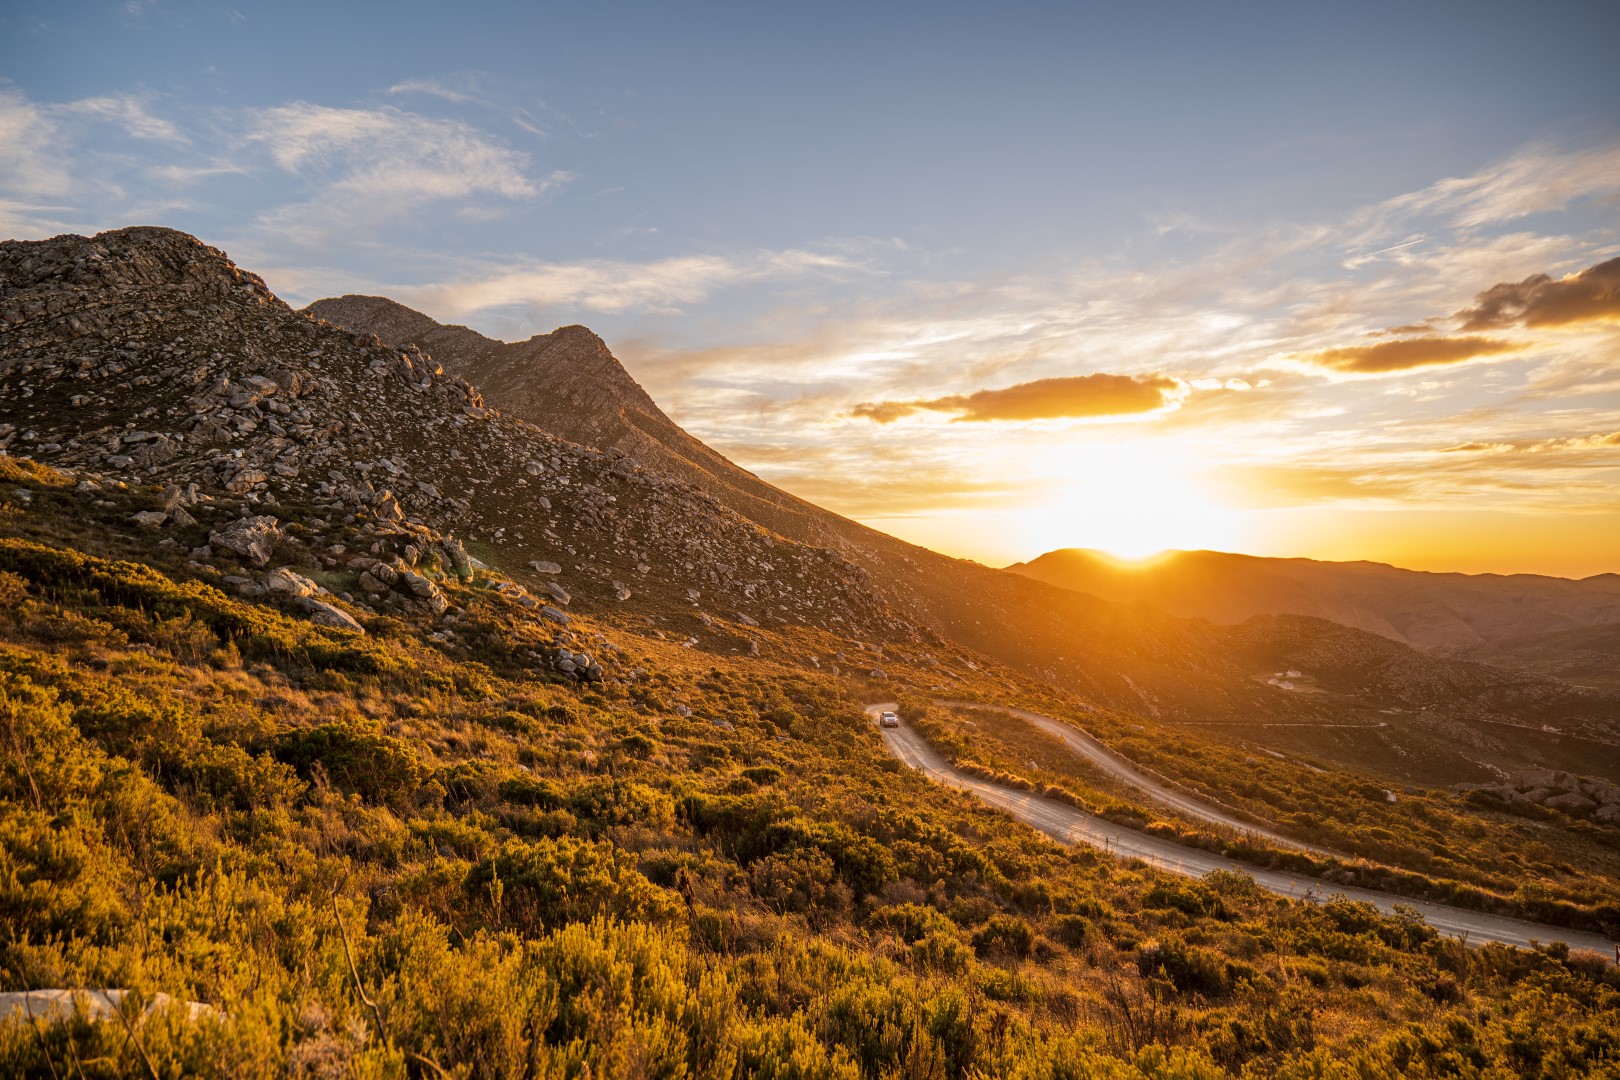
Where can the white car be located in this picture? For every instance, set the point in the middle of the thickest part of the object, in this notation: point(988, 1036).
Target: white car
point(889, 719)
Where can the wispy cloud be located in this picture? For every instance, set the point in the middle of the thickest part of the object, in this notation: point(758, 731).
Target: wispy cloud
point(130, 112)
point(36, 178)
point(367, 166)
point(605, 285)
point(1599, 441)
point(1535, 180)
point(438, 89)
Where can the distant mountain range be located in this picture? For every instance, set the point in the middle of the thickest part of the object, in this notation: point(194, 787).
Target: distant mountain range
point(143, 355)
point(1555, 626)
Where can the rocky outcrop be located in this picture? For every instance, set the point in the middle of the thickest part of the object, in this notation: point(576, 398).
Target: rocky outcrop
point(1587, 797)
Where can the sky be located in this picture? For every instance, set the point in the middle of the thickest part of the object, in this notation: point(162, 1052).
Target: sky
point(1335, 281)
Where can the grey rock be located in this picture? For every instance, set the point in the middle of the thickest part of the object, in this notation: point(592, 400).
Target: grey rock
point(253, 538)
point(554, 614)
point(60, 1006)
point(417, 584)
point(150, 519)
point(457, 554)
point(287, 580)
point(1572, 803)
point(323, 614)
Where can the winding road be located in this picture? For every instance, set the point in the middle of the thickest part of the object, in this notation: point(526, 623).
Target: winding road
point(1066, 824)
point(1119, 768)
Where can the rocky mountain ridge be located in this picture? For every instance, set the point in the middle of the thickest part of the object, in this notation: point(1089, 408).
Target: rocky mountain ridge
point(569, 383)
point(143, 355)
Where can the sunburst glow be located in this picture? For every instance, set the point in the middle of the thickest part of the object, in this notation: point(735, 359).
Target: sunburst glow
point(1133, 505)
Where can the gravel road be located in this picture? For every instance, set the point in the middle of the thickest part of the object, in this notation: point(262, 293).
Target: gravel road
point(1068, 825)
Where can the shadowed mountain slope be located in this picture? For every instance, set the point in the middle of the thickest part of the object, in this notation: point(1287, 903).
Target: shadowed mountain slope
point(1585, 656)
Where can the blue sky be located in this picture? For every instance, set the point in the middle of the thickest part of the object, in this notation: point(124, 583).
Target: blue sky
point(779, 214)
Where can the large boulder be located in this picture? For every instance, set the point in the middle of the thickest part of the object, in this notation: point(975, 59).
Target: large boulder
point(253, 538)
point(1545, 778)
point(424, 590)
point(323, 614)
point(1573, 803)
point(287, 580)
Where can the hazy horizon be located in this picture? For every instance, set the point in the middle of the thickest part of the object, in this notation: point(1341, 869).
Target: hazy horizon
point(994, 282)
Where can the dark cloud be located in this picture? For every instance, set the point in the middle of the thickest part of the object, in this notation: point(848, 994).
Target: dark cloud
point(1044, 399)
point(1390, 356)
point(1589, 296)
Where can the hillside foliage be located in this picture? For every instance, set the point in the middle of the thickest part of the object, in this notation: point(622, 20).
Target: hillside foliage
point(386, 855)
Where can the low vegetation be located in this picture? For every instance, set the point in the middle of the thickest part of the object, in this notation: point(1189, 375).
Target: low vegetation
point(385, 855)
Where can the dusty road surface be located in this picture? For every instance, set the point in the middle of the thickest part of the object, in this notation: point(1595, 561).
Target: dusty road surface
point(1122, 770)
point(1068, 825)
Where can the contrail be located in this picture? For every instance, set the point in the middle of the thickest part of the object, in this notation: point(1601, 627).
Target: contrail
point(1397, 247)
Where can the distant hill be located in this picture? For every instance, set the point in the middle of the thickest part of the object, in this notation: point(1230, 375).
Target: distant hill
point(1585, 656)
point(1450, 613)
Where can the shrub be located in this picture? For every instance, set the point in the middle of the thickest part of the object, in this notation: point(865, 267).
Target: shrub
point(533, 886)
point(357, 759)
point(1005, 934)
point(1190, 968)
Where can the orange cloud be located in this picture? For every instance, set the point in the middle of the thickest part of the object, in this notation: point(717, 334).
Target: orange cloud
point(1080, 396)
point(1600, 441)
point(1477, 448)
point(1590, 296)
point(1407, 353)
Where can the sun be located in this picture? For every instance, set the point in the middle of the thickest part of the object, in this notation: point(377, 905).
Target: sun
point(1133, 505)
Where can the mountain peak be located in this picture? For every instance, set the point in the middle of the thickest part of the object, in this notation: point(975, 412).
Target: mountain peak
point(566, 381)
point(569, 383)
point(135, 256)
